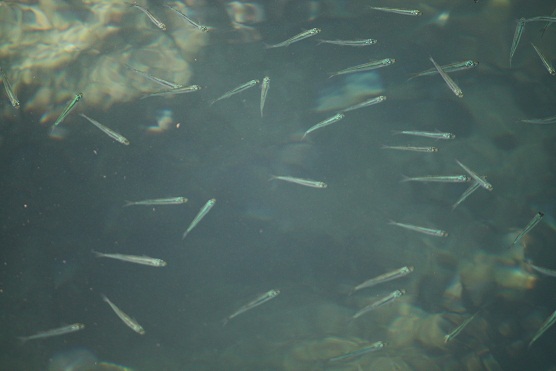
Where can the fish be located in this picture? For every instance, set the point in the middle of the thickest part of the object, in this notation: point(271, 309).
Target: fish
point(145, 260)
point(180, 90)
point(541, 270)
point(366, 66)
point(536, 220)
point(366, 103)
point(191, 21)
point(383, 301)
point(158, 201)
point(458, 329)
point(395, 274)
point(398, 11)
point(130, 322)
point(236, 90)
point(438, 178)
point(111, 133)
point(296, 38)
point(331, 120)
point(448, 68)
point(9, 90)
point(70, 106)
point(545, 326)
point(54, 332)
point(543, 121)
point(359, 352)
point(481, 180)
point(447, 79)
point(429, 231)
point(542, 18)
point(363, 42)
point(264, 91)
point(202, 213)
point(546, 63)
point(472, 188)
point(517, 36)
point(300, 181)
point(548, 24)
point(151, 16)
point(426, 134)
point(411, 148)
point(158, 80)
point(261, 299)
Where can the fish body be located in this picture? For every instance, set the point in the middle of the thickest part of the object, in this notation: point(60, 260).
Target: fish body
point(366, 103)
point(366, 66)
point(458, 329)
point(151, 16)
point(158, 80)
point(236, 90)
point(130, 322)
point(536, 220)
point(158, 201)
point(383, 301)
point(144, 260)
point(395, 274)
point(364, 42)
point(424, 230)
point(517, 37)
point(9, 90)
point(472, 188)
point(180, 90)
point(331, 120)
point(300, 181)
point(264, 92)
point(54, 332)
point(189, 20)
point(412, 148)
point(481, 180)
point(545, 326)
point(413, 12)
point(70, 106)
point(427, 134)
point(542, 270)
point(543, 121)
point(447, 79)
point(448, 68)
point(202, 213)
point(546, 63)
point(439, 178)
point(261, 299)
point(296, 38)
point(111, 133)
point(359, 352)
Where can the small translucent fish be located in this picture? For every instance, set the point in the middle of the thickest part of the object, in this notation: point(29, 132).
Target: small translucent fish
point(9, 90)
point(536, 220)
point(546, 63)
point(448, 68)
point(398, 11)
point(385, 300)
point(158, 80)
point(202, 213)
point(158, 201)
point(111, 133)
point(424, 230)
point(151, 16)
point(517, 36)
point(191, 21)
point(264, 91)
point(548, 24)
point(180, 90)
point(545, 326)
point(130, 322)
point(298, 37)
point(395, 274)
point(426, 134)
point(543, 121)
point(54, 332)
point(481, 180)
point(447, 79)
point(359, 352)
point(541, 18)
point(261, 299)
point(300, 181)
point(236, 90)
point(337, 117)
point(458, 329)
point(472, 188)
point(68, 109)
point(366, 66)
point(366, 103)
point(364, 42)
point(439, 178)
point(145, 260)
point(410, 148)
point(541, 270)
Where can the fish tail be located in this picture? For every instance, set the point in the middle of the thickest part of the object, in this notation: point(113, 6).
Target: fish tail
point(97, 254)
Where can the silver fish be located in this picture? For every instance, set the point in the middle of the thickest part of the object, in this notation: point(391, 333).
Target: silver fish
point(236, 90)
point(517, 36)
point(366, 103)
point(359, 352)
point(411, 148)
point(261, 299)
point(398, 11)
point(204, 211)
point(151, 16)
point(385, 300)
point(54, 332)
point(158, 80)
point(536, 220)
point(424, 230)
point(130, 322)
point(545, 326)
point(481, 180)
point(264, 91)
point(71, 105)
point(111, 133)
point(543, 121)
point(548, 24)
point(180, 90)
point(158, 201)
point(298, 37)
point(329, 121)
point(366, 66)
point(546, 63)
point(426, 134)
point(145, 260)
point(364, 42)
point(9, 90)
point(448, 68)
point(458, 329)
point(439, 178)
point(300, 181)
point(395, 274)
point(191, 21)
point(447, 79)
point(472, 188)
